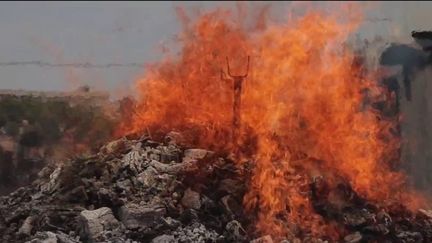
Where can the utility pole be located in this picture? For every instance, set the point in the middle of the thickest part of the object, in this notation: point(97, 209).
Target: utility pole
point(237, 88)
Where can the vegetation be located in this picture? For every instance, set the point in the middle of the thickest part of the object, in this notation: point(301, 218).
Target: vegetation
point(51, 120)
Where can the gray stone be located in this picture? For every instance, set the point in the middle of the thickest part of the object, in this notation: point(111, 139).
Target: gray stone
point(52, 183)
point(124, 185)
point(234, 232)
point(148, 177)
point(114, 147)
point(135, 216)
point(164, 239)
point(94, 222)
point(196, 233)
point(196, 154)
point(64, 238)
point(191, 199)
point(26, 227)
point(230, 186)
point(353, 238)
point(427, 213)
point(171, 223)
point(264, 239)
point(44, 237)
point(169, 154)
point(134, 160)
point(50, 237)
point(173, 168)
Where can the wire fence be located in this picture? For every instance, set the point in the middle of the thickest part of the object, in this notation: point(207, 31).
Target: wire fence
point(70, 65)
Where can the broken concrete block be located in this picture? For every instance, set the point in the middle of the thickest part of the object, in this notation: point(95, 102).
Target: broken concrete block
point(191, 199)
point(44, 237)
point(94, 222)
point(26, 227)
point(234, 232)
point(353, 238)
point(164, 239)
point(196, 154)
point(135, 216)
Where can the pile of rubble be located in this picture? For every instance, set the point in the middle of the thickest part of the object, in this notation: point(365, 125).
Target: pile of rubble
point(131, 191)
point(363, 221)
point(139, 190)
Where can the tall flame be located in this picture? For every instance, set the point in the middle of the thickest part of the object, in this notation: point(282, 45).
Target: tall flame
point(302, 101)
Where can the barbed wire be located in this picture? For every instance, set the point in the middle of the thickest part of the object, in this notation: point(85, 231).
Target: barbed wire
point(70, 65)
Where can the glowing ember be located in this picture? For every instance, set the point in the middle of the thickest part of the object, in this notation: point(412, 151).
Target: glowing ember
point(305, 111)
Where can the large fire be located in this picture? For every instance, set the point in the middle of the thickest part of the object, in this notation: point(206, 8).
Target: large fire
point(305, 110)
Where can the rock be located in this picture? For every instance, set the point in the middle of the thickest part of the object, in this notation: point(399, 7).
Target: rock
point(50, 237)
point(173, 168)
point(26, 226)
point(124, 185)
point(196, 232)
point(384, 217)
point(427, 213)
point(148, 177)
point(134, 216)
point(376, 229)
point(145, 184)
point(264, 239)
point(191, 199)
point(356, 218)
point(230, 186)
point(107, 197)
point(407, 236)
point(164, 239)
point(44, 237)
point(114, 147)
point(94, 222)
point(175, 138)
point(234, 232)
point(230, 205)
point(169, 154)
point(188, 215)
point(171, 223)
point(134, 160)
point(52, 184)
point(353, 238)
point(196, 154)
point(64, 238)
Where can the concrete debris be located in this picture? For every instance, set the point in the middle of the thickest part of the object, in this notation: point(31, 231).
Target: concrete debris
point(353, 238)
point(130, 191)
point(134, 216)
point(264, 239)
point(93, 223)
point(139, 190)
point(191, 199)
point(164, 239)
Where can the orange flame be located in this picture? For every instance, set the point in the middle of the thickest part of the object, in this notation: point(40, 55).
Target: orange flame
point(303, 100)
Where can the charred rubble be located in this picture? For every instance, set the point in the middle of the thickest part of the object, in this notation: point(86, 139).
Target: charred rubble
point(139, 190)
point(131, 191)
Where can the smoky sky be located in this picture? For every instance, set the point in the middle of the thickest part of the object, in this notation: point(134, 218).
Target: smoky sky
point(61, 45)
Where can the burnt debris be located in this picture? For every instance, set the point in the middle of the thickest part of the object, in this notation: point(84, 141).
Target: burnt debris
point(139, 190)
point(131, 191)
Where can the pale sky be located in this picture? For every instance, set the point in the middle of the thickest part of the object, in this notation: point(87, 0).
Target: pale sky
point(126, 32)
